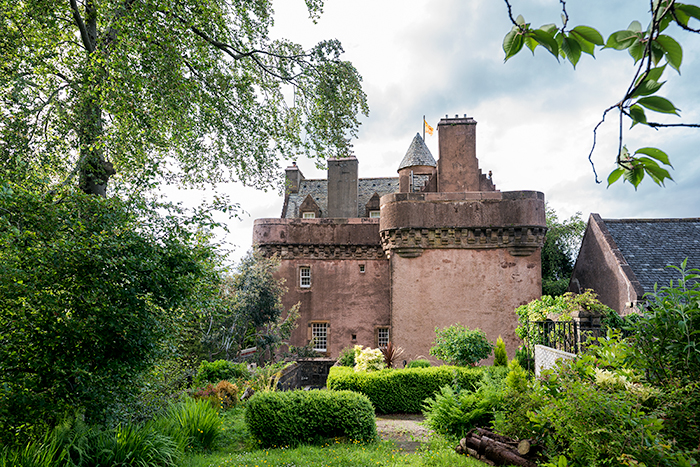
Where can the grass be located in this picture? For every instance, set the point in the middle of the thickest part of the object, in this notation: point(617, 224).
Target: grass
point(236, 448)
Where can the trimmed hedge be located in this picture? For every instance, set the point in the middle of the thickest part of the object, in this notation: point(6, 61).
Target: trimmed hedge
point(293, 417)
point(402, 391)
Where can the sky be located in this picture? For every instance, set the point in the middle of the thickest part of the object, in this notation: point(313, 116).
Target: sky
point(535, 116)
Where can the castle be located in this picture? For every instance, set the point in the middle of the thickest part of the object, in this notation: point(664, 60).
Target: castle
point(390, 259)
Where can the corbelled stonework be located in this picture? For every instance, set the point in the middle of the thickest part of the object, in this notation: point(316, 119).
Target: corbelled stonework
point(323, 251)
point(410, 242)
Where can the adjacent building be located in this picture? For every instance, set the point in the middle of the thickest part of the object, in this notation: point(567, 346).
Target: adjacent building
point(390, 259)
point(622, 259)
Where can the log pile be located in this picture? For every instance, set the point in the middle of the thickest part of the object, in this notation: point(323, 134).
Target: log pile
point(495, 449)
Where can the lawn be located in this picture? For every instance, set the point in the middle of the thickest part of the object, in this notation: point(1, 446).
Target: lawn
point(236, 448)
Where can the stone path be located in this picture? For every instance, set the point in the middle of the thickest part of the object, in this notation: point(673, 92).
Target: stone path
point(404, 430)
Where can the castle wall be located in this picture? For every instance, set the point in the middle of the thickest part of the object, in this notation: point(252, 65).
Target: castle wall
point(349, 276)
point(476, 288)
point(468, 258)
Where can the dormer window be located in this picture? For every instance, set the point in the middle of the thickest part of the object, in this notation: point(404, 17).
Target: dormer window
point(374, 214)
point(310, 215)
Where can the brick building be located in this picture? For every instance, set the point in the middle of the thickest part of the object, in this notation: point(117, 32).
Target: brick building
point(379, 259)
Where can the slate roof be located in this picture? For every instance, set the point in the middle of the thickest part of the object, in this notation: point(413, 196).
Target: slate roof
point(649, 245)
point(318, 189)
point(417, 154)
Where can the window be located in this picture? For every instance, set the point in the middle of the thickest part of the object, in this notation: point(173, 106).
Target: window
point(309, 215)
point(362, 268)
point(319, 334)
point(305, 277)
point(382, 337)
point(374, 214)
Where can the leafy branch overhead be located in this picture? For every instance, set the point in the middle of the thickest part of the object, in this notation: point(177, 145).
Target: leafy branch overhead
point(652, 50)
point(154, 91)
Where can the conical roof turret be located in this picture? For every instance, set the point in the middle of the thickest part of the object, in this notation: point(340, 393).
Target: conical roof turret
point(417, 154)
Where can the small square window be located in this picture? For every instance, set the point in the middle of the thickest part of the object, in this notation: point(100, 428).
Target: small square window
point(374, 214)
point(309, 215)
point(382, 337)
point(305, 277)
point(362, 268)
point(319, 334)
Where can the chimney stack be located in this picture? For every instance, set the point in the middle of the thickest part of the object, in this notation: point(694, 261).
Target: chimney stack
point(458, 167)
point(342, 187)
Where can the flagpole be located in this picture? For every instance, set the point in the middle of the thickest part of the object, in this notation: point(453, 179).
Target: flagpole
point(423, 127)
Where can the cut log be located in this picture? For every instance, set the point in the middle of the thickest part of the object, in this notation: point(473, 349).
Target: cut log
point(495, 451)
point(524, 447)
point(495, 436)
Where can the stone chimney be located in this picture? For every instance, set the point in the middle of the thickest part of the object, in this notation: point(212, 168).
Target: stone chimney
point(342, 187)
point(293, 178)
point(458, 167)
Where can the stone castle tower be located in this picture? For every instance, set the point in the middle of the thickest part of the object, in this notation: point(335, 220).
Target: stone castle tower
point(373, 260)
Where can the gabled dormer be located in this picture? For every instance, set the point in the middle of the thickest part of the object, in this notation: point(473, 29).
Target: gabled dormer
point(372, 206)
point(309, 209)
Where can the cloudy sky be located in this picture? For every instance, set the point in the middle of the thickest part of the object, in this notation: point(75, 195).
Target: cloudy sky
point(535, 116)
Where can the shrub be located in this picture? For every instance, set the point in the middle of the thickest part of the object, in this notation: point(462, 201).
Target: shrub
point(193, 423)
point(420, 363)
point(369, 359)
point(294, 417)
point(455, 411)
point(402, 391)
point(391, 354)
point(460, 345)
point(666, 338)
point(224, 395)
point(347, 357)
point(221, 370)
point(500, 356)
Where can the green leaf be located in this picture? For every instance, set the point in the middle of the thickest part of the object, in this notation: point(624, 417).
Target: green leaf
point(657, 52)
point(572, 49)
point(655, 153)
point(615, 175)
point(654, 74)
point(646, 88)
point(512, 43)
point(687, 12)
point(520, 21)
point(658, 174)
point(635, 26)
point(549, 28)
point(621, 40)
point(636, 50)
point(658, 104)
point(674, 52)
point(530, 43)
point(634, 176)
point(589, 34)
point(546, 40)
point(638, 115)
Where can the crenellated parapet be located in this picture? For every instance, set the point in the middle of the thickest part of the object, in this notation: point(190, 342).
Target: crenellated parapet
point(413, 222)
point(410, 242)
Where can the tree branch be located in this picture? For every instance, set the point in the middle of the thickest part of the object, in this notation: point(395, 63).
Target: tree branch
point(81, 25)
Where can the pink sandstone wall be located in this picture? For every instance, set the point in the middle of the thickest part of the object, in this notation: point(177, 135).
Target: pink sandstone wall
point(477, 288)
point(352, 302)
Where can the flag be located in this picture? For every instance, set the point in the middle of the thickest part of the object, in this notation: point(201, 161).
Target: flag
point(428, 128)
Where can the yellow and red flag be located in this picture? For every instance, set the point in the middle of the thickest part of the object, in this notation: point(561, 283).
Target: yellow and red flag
point(428, 128)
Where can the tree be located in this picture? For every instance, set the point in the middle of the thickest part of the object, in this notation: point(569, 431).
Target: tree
point(459, 345)
point(248, 312)
point(91, 290)
point(561, 244)
point(647, 47)
point(159, 91)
